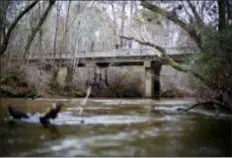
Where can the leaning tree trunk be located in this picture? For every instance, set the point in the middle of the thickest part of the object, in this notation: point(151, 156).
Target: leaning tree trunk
point(56, 69)
point(131, 19)
point(3, 9)
point(56, 31)
point(5, 43)
point(114, 19)
point(54, 82)
point(171, 62)
point(40, 40)
point(192, 32)
point(122, 22)
point(36, 29)
point(63, 42)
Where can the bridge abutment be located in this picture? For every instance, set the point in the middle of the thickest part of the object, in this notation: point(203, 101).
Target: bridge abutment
point(151, 79)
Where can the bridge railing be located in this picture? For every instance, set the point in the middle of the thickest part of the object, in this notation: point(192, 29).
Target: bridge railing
point(114, 53)
point(80, 54)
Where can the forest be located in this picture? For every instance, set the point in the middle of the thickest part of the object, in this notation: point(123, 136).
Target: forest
point(55, 28)
point(124, 78)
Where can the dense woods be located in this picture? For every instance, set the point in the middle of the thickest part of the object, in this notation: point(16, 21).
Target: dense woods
point(41, 28)
point(116, 78)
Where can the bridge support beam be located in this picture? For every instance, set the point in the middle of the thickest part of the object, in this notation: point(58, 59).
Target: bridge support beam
point(152, 83)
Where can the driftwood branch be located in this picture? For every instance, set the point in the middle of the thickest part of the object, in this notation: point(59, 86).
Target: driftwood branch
point(13, 25)
point(214, 102)
point(170, 61)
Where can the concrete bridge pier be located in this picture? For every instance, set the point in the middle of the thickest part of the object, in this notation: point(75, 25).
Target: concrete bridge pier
point(100, 74)
point(151, 78)
point(69, 76)
point(97, 77)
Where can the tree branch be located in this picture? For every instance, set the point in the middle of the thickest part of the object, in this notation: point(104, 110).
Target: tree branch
point(186, 10)
point(196, 15)
point(171, 62)
point(169, 15)
point(12, 26)
point(36, 29)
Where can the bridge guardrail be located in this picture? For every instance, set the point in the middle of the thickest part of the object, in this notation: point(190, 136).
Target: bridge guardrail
point(114, 53)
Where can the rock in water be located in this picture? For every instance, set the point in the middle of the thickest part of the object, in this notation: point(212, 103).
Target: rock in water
point(17, 114)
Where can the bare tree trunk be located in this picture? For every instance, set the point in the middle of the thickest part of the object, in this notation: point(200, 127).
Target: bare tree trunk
point(34, 31)
point(122, 22)
point(66, 23)
point(115, 24)
point(143, 29)
point(65, 32)
point(56, 31)
point(76, 60)
point(77, 40)
point(131, 19)
point(170, 61)
point(196, 15)
point(13, 25)
point(3, 10)
point(40, 39)
point(229, 12)
point(222, 15)
point(55, 73)
point(193, 33)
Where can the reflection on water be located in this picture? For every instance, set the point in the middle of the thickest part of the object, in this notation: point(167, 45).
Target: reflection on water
point(115, 128)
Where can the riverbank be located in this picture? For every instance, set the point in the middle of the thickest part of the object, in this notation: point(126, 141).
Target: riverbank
point(30, 92)
point(124, 82)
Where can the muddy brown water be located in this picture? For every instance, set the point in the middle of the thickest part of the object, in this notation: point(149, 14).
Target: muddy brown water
point(115, 128)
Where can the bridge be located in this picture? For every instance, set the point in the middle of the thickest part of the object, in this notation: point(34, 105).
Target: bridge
point(148, 58)
point(123, 57)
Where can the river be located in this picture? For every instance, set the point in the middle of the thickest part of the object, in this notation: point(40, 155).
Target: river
point(116, 127)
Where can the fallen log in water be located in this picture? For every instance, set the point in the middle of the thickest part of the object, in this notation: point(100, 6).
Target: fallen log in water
point(210, 104)
point(221, 101)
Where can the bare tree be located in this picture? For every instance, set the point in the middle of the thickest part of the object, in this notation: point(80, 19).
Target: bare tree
point(58, 7)
point(188, 27)
point(5, 43)
point(131, 19)
point(115, 23)
point(63, 42)
point(56, 70)
point(171, 62)
point(170, 15)
point(40, 38)
point(36, 29)
point(123, 16)
point(222, 14)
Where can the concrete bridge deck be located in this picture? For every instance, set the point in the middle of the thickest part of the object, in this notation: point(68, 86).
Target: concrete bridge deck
point(123, 57)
